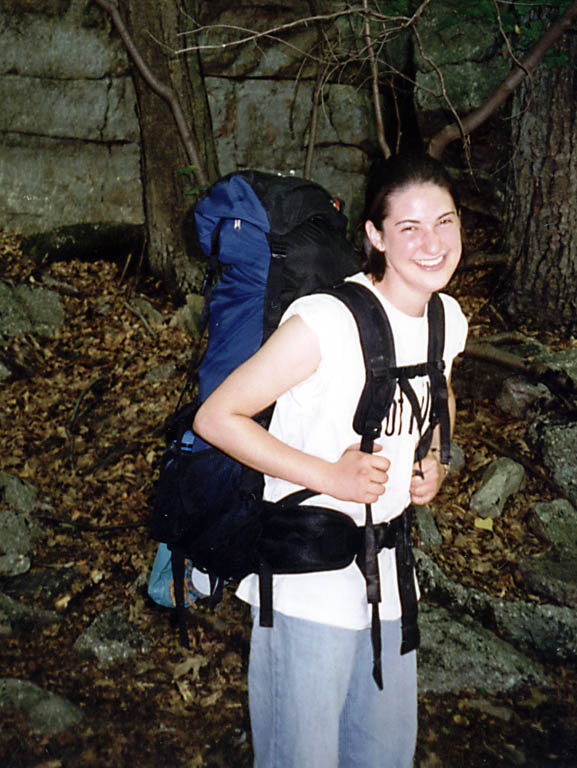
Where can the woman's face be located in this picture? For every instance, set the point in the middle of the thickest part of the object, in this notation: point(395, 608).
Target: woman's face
point(421, 240)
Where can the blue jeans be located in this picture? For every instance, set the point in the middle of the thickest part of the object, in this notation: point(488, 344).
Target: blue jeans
point(314, 703)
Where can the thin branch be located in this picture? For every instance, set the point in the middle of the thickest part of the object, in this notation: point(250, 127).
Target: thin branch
point(505, 37)
point(163, 90)
point(96, 386)
point(142, 318)
point(458, 124)
point(557, 381)
point(386, 152)
point(314, 122)
point(251, 35)
point(418, 13)
point(91, 528)
point(501, 94)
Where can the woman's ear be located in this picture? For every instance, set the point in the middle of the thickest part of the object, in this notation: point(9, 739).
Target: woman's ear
point(375, 236)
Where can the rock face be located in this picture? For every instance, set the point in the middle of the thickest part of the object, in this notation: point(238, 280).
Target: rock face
point(74, 157)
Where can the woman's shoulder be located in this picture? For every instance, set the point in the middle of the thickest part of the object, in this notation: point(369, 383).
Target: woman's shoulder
point(456, 324)
point(319, 308)
point(452, 307)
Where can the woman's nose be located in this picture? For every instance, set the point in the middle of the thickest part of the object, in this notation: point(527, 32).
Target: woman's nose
point(432, 241)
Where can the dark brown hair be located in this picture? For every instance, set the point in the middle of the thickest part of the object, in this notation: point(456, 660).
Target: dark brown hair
point(386, 178)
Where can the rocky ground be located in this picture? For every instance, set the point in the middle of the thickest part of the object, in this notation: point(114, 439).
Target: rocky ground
point(82, 421)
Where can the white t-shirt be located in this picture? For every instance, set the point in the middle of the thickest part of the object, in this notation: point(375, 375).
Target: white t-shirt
point(316, 417)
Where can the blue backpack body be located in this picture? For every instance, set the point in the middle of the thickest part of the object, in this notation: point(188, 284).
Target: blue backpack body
point(270, 239)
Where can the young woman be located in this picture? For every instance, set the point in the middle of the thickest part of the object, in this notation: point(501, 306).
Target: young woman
point(313, 701)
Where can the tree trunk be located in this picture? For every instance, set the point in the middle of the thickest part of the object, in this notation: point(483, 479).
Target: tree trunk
point(541, 213)
point(153, 28)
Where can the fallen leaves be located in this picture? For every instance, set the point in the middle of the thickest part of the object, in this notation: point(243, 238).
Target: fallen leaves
point(166, 708)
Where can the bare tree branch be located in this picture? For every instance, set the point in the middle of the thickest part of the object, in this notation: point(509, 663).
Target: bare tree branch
point(501, 94)
point(251, 35)
point(163, 90)
point(386, 152)
point(314, 122)
point(434, 66)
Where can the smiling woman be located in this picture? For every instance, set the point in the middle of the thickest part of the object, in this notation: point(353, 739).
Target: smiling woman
point(313, 702)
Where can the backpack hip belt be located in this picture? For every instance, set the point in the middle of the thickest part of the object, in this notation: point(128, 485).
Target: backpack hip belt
point(330, 540)
point(305, 539)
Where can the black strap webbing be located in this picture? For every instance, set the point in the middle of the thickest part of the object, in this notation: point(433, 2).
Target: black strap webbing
point(382, 375)
point(178, 576)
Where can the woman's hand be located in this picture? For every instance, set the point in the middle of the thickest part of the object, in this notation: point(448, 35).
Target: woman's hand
point(428, 476)
point(358, 476)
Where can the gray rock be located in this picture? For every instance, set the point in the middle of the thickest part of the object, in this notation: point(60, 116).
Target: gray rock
point(556, 523)
point(458, 460)
point(57, 182)
point(439, 588)
point(521, 398)
point(95, 53)
point(147, 310)
point(502, 478)
point(17, 494)
point(430, 539)
point(554, 580)
point(246, 135)
point(19, 616)
point(458, 654)
point(18, 533)
point(565, 360)
point(26, 309)
point(549, 630)
point(111, 638)
point(69, 109)
point(466, 51)
point(47, 712)
point(14, 564)
point(161, 372)
point(556, 441)
point(188, 316)
point(48, 584)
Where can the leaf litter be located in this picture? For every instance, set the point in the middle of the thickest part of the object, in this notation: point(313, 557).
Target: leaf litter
point(82, 421)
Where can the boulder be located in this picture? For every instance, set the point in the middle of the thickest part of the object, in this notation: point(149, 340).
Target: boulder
point(501, 479)
point(458, 654)
point(111, 638)
point(47, 712)
point(28, 309)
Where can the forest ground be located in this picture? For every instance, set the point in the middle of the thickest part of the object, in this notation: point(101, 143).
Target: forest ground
point(82, 423)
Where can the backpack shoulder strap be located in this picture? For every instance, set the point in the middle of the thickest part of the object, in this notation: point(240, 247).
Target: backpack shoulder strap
point(439, 389)
point(436, 315)
point(378, 348)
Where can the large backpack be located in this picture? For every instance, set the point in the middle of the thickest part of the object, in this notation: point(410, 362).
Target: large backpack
point(276, 239)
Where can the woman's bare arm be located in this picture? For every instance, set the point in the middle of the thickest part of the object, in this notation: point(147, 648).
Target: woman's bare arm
point(225, 420)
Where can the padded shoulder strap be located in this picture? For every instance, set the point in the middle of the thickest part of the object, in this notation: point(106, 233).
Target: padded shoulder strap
point(439, 390)
point(379, 355)
point(436, 315)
